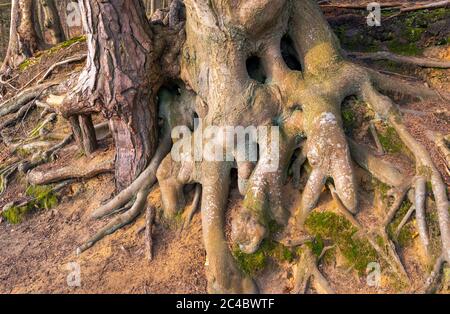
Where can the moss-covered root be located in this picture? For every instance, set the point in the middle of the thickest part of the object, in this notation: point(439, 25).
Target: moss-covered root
point(306, 273)
point(425, 169)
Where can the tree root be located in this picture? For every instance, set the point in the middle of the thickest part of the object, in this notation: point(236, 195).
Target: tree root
point(385, 55)
point(404, 220)
point(194, 206)
point(41, 177)
point(306, 272)
point(5, 174)
point(118, 222)
point(441, 143)
point(388, 84)
point(145, 181)
point(57, 64)
point(51, 118)
point(426, 171)
point(432, 282)
point(15, 103)
point(374, 133)
point(18, 116)
point(388, 252)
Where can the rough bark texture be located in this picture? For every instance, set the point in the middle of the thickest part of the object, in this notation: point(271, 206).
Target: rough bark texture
point(52, 21)
point(124, 71)
point(117, 80)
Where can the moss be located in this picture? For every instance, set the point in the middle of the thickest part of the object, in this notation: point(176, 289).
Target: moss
point(37, 58)
point(317, 245)
point(406, 234)
point(349, 119)
point(383, 188)
point(252, 264)
point(406, 49)
point(390, 140)
point(27, 63)
point(66, 44)
point(356, 42)
point(357, 252)
point(43, 198)
point(424, 18)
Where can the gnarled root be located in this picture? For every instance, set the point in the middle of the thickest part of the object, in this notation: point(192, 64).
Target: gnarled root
point(426, 171)
point(5, 174)
point(118, 222)
point(306, 272)
point(16, 102)
point(39, 177)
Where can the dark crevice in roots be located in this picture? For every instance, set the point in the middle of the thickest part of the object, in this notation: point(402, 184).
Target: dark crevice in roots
point(289, 54)
point(255, 69)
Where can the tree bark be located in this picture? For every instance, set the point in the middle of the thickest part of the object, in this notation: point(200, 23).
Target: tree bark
point(52, 22)
point(117, 80)
point(23, 41)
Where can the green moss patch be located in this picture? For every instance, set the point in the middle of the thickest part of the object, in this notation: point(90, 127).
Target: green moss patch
point(37, 58)
point(43, 198)
point(406, 235)
point(252, 264)
point(390, 141)
point(327, 225)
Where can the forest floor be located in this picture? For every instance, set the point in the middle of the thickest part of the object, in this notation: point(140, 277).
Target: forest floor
point(38, 254)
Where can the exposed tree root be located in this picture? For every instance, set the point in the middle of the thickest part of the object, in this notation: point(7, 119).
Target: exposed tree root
point(441, 143)
point(386, 55)
point(55, 189)
point(306, 272)
point(387, 253)
point(389, 84)
point(375, 137)
point(39, 177)
point(145, 181)
point(58, 64)
point(16, 102)
point(194, 206)
point(5, 174)
point(304, 103)
point(39, 130)
point(426, 171)
point(432, 282)
point(18, 116)
point(118, 222)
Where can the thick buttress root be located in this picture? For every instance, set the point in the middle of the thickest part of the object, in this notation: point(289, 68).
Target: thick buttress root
point(303, 100)
point(174, 110)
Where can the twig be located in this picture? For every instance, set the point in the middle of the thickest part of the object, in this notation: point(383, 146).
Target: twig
point(385, 55)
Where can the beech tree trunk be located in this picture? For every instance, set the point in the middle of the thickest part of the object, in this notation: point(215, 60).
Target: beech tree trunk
point(52, 22)
point(117, 80)
point(23, 42)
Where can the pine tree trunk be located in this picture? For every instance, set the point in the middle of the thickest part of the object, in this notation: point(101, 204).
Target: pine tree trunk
point(117, 80)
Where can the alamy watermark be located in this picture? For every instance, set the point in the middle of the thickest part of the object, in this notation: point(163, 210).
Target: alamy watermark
point(73, 279)
point(227, 143)
point(374, 17)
